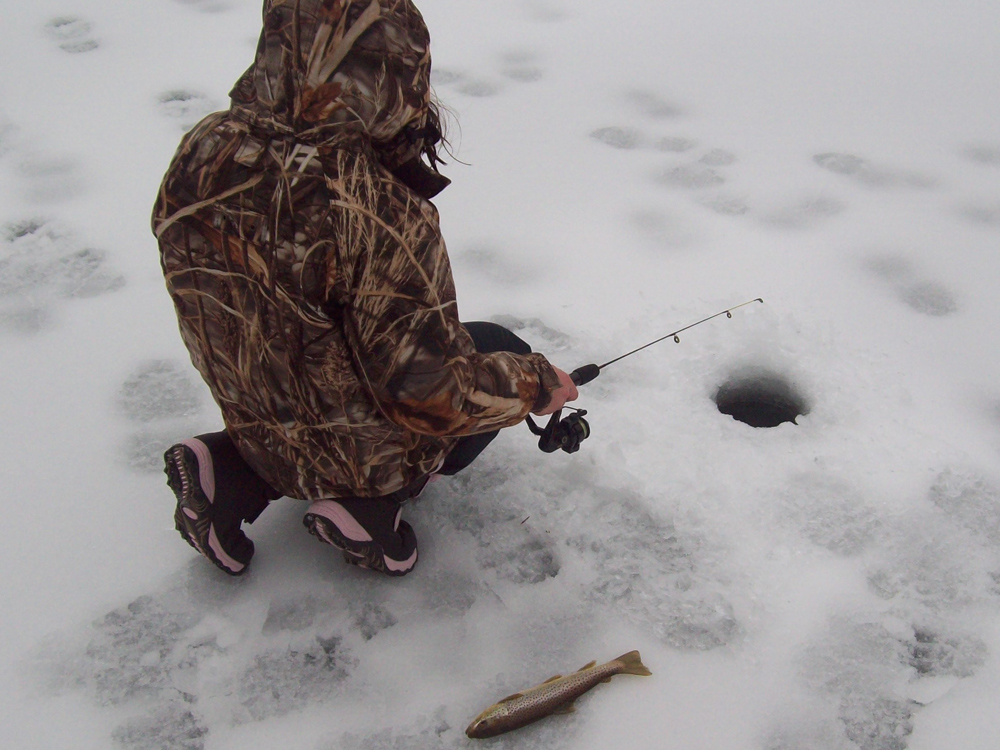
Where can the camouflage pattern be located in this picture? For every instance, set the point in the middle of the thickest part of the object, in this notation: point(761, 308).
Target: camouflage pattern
point(312, 286)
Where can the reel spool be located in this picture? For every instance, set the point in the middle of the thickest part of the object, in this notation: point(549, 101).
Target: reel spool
point(562, 433)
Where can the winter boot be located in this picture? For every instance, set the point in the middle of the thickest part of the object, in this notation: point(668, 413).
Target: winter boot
point(216, 491)
point(368, 530)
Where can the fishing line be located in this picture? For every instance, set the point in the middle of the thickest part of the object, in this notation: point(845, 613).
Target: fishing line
point(585, 374)
point(567, 433)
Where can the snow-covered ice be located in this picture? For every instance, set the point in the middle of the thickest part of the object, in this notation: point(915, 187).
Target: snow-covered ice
point(830, 584)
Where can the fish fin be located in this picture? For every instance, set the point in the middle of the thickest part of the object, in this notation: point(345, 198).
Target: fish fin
point(632, 664)
point(587, 666)
point(510, 698)
point(606, 679)
point(565, 708)
point(552, 679)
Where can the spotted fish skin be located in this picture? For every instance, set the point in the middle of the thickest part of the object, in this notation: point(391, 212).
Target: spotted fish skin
point(554, 696)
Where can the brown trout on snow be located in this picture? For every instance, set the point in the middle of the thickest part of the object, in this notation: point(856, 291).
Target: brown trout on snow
point(554, 696)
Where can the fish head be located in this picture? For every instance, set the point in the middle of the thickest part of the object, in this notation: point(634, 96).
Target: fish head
point(489, 723)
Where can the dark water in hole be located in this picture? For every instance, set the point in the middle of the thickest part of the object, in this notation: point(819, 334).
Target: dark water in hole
point(760, 401)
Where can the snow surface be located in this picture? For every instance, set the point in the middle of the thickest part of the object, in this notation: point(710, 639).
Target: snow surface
point(632, 167)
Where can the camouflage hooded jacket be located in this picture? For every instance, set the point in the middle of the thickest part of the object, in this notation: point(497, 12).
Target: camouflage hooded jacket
point(312, 286)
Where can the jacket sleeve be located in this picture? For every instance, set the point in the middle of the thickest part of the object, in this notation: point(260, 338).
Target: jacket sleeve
point(401, 316)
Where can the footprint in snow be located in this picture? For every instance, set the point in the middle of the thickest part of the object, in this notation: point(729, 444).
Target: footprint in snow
point(648, 571)
point(972, 501)
point(41, 263)
point(628, 138)
point(545, 11)
point(465, 83)
point(652, 105)
point(983, 154)
point(866, 172)
point(431, 733)
point(513, 550)
point(615, 136)
point(157, 390)
point(50, 179)
point(207, 6)
point(690, 177)
point(660, 227)
point(286, 679)
point(175, 725)
point(805, 213)
point(162, 399)
point(983, 214)
point(675, 144)
point(493, 263)
point(7, 134)
point(726, 205)
point(521, 66)
point(800, 731)
point(882, 670)
point(925, 296)
point(187, 107)
point(829, 513)
point(535, 332)
point(72, 34)
point(718, 157)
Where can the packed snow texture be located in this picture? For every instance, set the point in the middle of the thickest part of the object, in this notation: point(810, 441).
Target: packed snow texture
point(831, 583)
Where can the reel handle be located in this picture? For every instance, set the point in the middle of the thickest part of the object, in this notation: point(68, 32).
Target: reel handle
point(583, 375)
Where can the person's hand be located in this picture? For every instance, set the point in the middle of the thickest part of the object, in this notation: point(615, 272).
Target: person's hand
point(565, 392)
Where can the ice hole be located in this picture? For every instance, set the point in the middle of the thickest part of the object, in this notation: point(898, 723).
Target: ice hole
point(760, 399)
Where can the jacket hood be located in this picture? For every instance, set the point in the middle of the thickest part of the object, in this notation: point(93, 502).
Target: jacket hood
point(329, 68)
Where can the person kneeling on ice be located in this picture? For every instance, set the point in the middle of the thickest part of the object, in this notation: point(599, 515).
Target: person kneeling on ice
point(315, 296)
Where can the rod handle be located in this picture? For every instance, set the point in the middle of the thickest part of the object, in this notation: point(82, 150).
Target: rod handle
point(583, 375)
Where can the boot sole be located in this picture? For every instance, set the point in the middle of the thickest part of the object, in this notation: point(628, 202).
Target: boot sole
point(183, 467)
point(365, 553)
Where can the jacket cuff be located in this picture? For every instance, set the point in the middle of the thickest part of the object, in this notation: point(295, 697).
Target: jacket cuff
point(548, 381)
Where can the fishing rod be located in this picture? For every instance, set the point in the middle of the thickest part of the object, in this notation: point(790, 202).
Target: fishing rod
point(567, 433)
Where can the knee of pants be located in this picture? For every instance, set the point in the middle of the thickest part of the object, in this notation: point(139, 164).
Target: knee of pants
point(492, 337)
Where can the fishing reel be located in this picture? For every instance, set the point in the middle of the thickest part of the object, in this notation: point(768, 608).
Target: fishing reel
point(564, 433)
point(568, 432)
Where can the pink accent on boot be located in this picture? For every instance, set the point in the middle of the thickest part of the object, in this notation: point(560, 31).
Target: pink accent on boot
point(206, 471)
point(220, 554)
point(406, 564)
point(338, 515)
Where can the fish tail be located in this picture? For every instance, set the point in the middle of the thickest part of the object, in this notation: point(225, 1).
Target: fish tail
point(632, 663)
